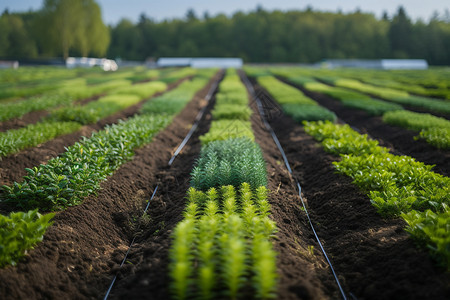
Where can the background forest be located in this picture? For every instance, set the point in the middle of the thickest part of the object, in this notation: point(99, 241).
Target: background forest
point(258, 36)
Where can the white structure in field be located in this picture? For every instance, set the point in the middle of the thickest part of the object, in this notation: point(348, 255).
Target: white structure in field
point(200, 62)
point(384, 64)
point(396, 64)
point(9, 64)
point(88, 62)
point(174, 62)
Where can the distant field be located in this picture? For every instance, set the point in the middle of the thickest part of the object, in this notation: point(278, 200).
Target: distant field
point(86, 180)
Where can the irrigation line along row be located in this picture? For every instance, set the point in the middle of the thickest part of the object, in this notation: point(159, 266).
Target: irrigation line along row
point(196, 122)
point(286, 162)
point(129, 248)
point(180, 147)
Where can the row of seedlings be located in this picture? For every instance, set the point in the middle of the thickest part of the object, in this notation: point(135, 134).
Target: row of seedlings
point(29, 81)
point(348, 98)
point(222, 248)
point(390, 94)
point(121, 94)
point(434, 130)
point(398, 186)
point(67, 179)
point(425, 83)
point(293, 102)
point(64, 91)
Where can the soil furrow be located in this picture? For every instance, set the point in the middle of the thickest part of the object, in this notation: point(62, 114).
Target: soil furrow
point(303, 271)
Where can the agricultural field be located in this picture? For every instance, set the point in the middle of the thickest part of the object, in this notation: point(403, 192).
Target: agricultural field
point(260, 183)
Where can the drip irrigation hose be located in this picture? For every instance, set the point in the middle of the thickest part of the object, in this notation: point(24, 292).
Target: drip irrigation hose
point(196, 122)
point(180, 147)
point(286, 162)
point(128, 251)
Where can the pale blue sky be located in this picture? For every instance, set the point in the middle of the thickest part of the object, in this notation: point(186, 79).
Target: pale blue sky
point(114, 10)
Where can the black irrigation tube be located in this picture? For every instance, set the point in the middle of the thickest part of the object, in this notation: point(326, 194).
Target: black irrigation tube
point(180, 147)
point(286, 162)
point(196, 122)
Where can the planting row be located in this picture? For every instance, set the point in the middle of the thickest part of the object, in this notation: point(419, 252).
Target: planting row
point(392, 95)
point(65, 180)
point(432, 83)
point(120, 95)
point(222, 247)
point(349, 98)
point(293, 102)
point(66, 91)
point(396, 185)
point(434, 130)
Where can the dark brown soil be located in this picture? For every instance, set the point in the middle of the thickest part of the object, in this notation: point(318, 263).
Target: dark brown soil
point(82, 249)
point(80, 254)
point(303, 275)
point(27, 119)
point(12, 168)
point(373, 257)
point(399, 139)
point(146, 274)
point(90, 99)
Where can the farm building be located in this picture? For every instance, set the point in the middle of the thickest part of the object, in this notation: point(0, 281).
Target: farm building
point(384, 64)
point(200, 62)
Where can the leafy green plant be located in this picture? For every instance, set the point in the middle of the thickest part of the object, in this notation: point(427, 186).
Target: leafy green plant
point(19, 232)
point(394, 95)
point(431, 230)
point(308, 112)
point(229, 162)
point(182, 258)
point(231, 111)
point(20, 108)
point(386, 93)
point(231, 252)
point(434, 130)
point(12, 141)
point(174, 101)
point(142, 90)
point(373, 107)
point(415, 121)
point(227, 129)
point(396, 185)
point(219, 255)
point(65, 180)
point(347, 97)
point(264, 268)
point(96, 110)
point(284, 93)
point(438, 137)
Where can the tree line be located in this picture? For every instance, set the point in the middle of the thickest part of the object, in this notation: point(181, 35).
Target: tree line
point(257, 36)
point(60, 28)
